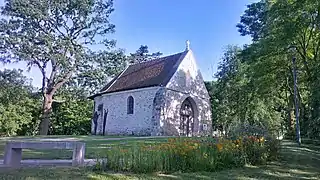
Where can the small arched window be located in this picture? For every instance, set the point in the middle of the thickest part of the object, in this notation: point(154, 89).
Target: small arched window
point(130, 104)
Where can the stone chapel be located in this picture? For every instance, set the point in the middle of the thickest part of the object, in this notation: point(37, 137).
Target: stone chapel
point(161, 97)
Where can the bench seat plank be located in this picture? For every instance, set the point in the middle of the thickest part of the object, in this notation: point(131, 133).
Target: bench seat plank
point(43, 145)
point(13, 150)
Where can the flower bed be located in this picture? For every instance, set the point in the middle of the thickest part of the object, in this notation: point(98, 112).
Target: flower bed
point(189, 154)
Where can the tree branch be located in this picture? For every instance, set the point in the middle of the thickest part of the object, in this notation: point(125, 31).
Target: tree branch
point(43, 72)
point(304, 57)
point(53, 72)
point(60, 83)
point(310, 33)
point(316, 48)
point(287, 83)
point(316, 53)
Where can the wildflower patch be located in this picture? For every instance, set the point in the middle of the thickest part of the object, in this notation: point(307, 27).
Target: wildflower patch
point(190, 155)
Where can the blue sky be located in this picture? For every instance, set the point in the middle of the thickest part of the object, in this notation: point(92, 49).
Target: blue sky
point(165, 25)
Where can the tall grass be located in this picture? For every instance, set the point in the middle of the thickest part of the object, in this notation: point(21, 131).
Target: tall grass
point(189, 155)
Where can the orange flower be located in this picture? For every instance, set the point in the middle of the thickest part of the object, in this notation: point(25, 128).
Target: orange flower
point(123, 150)
point(219, 146)
point(237, 142)
point(171, 140)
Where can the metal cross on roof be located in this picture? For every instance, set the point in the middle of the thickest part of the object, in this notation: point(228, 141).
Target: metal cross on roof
point(187, 45)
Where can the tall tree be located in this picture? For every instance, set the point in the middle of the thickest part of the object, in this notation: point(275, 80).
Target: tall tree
point(253, 21)
point(245, 92)
point(274, 26)
point(227, 89)
point(53, 36)
point(143, 55)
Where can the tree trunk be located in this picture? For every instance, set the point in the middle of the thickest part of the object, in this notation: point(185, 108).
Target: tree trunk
point(46, 111)
point(291, 119)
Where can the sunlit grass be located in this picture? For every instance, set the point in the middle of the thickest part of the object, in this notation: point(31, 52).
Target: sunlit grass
point(295, 163)
point(95, 145)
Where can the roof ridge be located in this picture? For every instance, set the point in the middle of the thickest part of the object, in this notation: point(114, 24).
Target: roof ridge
point(159, 58)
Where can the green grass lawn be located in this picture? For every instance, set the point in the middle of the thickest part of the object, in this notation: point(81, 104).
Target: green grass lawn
point(295, 163)
point(95, 146)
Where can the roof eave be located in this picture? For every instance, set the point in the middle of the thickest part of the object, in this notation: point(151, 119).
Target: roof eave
point(103, 93)
point(93, 96)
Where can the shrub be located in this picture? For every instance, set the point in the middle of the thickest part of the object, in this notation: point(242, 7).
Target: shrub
point(189, 155)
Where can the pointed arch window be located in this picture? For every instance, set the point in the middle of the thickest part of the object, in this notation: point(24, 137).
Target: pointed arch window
point(130, 105)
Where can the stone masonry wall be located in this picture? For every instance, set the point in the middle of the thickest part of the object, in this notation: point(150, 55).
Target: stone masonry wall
point(118, 121)
point(171, 120)
point(187, 82)
point(157, 112)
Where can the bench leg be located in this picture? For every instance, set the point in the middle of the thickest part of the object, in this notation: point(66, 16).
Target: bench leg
point(78, 155)
point(12, 157)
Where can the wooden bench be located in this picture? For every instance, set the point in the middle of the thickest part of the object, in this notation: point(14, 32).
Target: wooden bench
point(13, 150)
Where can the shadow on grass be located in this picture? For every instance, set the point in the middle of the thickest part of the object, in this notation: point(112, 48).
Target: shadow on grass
point(42, 173)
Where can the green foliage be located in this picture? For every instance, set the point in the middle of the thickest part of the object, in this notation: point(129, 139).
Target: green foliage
point(92, 77)
point(19, 105)
point(54, 36)
point(142, 55)
point(253, 21)
point(255, 84)
point(20, 109)
point(71, 112)
point(187, 155)
point(72, 117)
point(289, 23)
point(240, 95)
point(57, 38)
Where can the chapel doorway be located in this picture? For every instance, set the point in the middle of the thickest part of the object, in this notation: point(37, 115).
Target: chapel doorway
point(187, 114)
